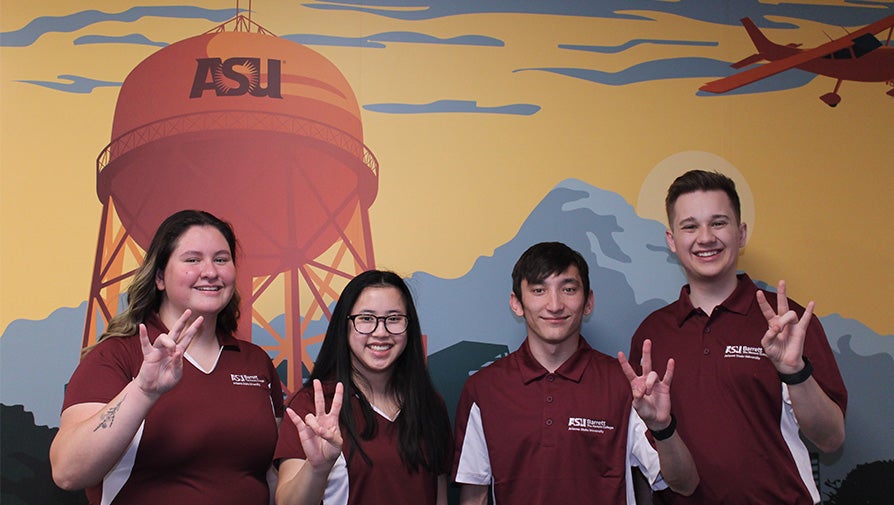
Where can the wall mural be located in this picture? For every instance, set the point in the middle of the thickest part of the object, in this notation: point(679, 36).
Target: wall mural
point(440, 140)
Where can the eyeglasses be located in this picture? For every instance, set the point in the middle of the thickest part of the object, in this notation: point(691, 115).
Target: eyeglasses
point(366, 324)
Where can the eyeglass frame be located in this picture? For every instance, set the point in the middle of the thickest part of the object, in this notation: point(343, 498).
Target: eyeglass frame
point(379, 319)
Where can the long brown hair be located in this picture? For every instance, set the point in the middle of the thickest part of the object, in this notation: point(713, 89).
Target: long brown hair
point(143, 296)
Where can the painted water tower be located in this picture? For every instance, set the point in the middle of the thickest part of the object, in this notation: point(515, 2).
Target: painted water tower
point(260, 131)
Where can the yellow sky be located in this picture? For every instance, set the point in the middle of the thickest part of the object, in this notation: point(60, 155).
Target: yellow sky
point(454, 187)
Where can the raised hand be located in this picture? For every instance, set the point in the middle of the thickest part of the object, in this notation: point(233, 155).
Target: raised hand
point(651, 396)
point(163, 359)
point(319, 433)
point(783, 342)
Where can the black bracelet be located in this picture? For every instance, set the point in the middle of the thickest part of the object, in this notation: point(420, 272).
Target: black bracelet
point(666, 433)
point(798, 377)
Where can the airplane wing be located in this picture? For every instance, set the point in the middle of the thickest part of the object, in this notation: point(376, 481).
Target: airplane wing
point(774, 67)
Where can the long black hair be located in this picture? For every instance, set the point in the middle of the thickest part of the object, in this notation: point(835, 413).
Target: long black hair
point(422, 426)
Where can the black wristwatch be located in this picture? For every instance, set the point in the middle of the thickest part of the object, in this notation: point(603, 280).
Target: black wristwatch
point(666, 433)
point(798, 377)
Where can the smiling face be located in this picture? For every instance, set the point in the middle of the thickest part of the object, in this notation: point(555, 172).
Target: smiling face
point(706, 237)
point(377, 352)
point(554, 308)
point(200, 275)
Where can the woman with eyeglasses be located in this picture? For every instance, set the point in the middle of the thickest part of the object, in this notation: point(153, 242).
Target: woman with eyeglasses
point(368, 427)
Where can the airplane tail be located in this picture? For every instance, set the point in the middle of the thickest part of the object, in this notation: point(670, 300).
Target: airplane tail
point(767, 50)
point(760, 41)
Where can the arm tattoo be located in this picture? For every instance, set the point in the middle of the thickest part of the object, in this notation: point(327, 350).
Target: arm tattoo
point(108, 418)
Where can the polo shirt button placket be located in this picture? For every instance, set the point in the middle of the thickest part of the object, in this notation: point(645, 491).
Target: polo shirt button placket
point(549, 434)
point(549, 401)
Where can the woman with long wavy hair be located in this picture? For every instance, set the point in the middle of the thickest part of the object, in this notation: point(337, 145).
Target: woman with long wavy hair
point(141, 426)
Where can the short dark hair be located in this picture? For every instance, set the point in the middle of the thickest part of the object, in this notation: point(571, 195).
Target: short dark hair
point(701, 180)
point(545, 259)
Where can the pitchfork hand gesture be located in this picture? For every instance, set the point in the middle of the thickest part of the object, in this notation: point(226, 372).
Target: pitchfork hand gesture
point(163, 359)
point(319, 433)
point(651, 396)
point(783, 342)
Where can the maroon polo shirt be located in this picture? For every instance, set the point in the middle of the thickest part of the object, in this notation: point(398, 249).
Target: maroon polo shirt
point(728, 399)
point(210, 439)
point(548, 438)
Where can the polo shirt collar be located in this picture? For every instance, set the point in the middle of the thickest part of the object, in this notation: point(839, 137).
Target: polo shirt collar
point(739, 301)
point(572, 369)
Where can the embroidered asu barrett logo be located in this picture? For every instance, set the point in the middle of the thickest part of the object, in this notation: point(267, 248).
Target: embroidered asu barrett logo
point(744, 351)
point(248, 380)
point(588, 425)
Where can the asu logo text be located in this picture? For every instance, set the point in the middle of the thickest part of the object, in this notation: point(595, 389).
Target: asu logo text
point(588, 425)
point(744, 351)
point(249, 380)
point(236, 77)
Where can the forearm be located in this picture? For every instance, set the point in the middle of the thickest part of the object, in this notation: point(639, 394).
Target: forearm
point(300, 483)
point(677, 466)
point(93, 437)
point(471, 494)
point(442, 490)
point(819, 418)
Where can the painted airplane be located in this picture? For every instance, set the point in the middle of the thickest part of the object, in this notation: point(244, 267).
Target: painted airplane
point(858, 56)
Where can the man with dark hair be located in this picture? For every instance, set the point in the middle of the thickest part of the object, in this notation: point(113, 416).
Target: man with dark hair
point(751, 376)
point(557, 421)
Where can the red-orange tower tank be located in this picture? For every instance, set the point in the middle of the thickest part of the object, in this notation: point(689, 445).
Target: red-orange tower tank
point(260, 131)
